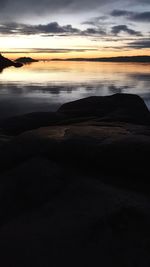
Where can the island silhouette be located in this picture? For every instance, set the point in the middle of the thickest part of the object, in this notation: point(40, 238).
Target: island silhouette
point(5, 63)
point(25, 60)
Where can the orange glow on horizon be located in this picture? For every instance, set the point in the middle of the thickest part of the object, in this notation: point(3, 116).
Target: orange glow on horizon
point(85, 54)
point(48, 72)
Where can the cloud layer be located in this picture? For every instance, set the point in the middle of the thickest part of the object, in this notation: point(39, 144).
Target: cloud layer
point(123, 28)
point(95, 21)
point(140, 44)
point(52, 28)
point(19, 8)
point(135, 16)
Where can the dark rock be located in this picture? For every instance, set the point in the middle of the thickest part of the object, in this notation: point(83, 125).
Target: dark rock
point(90, 144)
point(77, 190)
point(115, 108)
point(19, 124)
point(118, 107)
point(29, 185)
point(79, 226)
point(5, 62)
point(18, 64)
point(121, 151)
point(4, 139)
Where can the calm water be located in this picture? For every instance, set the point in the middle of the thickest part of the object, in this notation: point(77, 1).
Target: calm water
point(44, 86)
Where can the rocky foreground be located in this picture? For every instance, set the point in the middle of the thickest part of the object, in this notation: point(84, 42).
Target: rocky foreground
point(75, 186)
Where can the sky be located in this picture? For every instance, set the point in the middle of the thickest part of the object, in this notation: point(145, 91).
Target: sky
point(47, 29)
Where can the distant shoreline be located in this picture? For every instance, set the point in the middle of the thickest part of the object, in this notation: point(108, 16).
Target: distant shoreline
point(140, 59)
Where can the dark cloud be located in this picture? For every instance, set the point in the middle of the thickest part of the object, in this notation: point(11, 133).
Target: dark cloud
point(46, 50)
point(54, 27)
point(123, 28)
point(18, 8)
point(135, 16)
point(26, 29)
point(140, 44)
point(49, 29)
point(94, 31)
point(144, 17)
point(95, 21)
point(119, 13)
point(10, 10)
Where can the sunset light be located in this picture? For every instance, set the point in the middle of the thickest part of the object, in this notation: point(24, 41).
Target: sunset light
point(74, 133)
point(104, 31)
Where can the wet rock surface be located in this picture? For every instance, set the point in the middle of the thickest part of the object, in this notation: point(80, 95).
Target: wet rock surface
point(74, 185)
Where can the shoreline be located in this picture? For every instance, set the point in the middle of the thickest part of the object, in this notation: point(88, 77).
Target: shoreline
point(129, 59)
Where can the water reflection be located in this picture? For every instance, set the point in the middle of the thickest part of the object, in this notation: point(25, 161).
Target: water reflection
point(44, 86)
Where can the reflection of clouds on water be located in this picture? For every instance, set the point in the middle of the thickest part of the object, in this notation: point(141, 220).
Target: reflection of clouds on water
point(16, 100)
point(142, 80)
point(24, 96)
point(117, 89)
point(53, 89)
point(140, 76)
point(19, 99)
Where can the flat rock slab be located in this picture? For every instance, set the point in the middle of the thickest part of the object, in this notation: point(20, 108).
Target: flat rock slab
point(117, 149)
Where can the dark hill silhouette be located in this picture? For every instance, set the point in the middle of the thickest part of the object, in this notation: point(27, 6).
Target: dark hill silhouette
point(5, 62)
point(26, 60)
point(143, 59)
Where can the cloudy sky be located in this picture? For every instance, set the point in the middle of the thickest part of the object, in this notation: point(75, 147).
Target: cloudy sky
point(74, 28)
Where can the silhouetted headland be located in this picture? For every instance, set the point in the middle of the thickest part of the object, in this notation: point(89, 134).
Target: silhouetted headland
point(5, 62)
point(75, 184)
point(143, 59)
point(25, 60)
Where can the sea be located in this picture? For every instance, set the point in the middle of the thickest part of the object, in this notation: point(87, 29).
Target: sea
point(46, 85)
